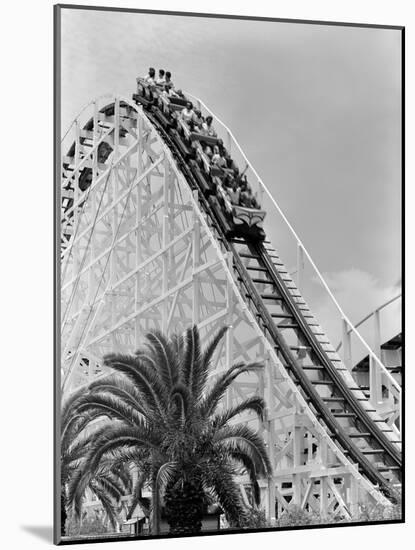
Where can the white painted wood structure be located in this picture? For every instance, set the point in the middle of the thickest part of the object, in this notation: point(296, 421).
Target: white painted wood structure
point(138, 253)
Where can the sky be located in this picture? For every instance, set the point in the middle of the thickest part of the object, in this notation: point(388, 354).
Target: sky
point(316, 109)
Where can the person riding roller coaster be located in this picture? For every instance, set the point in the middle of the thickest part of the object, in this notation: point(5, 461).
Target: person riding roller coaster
point(220, 172)
point(150, 79)
point(168, 82)
point(161, 80)
point(187, 114)
point(197, 121)
point(207, 127)
point(217, 159)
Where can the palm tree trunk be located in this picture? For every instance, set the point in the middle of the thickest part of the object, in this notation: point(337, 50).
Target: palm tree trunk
point(155, 512)
point(185, 506)
point(63, 511)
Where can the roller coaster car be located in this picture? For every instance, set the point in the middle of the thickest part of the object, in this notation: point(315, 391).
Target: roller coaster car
point(144, 101)
point(211, 140)
point(178, 101)
point(248, 222)
point(185, 150)
point(224, 221)
point(207, 187)
point(235, 220)
point(162, 118)
point(245, 222)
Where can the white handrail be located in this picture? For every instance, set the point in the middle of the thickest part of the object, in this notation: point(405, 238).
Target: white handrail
point(371, 314)
point(390, 378)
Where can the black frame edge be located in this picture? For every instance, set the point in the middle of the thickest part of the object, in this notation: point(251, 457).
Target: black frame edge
point(56, 272)
point(231, 16)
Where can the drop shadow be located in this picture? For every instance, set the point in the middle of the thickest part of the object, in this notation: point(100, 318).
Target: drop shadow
point(42, 532)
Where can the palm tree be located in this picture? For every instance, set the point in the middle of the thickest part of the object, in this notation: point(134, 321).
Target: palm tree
point(164, 417)
point(111, 481)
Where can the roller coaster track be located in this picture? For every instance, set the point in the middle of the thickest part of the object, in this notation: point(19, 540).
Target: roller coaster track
point(338, 413)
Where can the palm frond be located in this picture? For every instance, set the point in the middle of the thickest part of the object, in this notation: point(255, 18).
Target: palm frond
point(213, 344)
point(202, 365)
point(109, 405)
point(106, 502)
point(69, 400)
point(220, 479)
point(251, 470)
point(200, 369)
point(122, 388)
point(254, 403)
point(217, 391)
point(165, 358)
point(121, 474)
point(165, 474)
point(181, 398)
point(148, 383)
point(111, 486)
point(244, 440)
point(178, 342)
point(187, 358)
point(127, 455)
point(115, 438)
point(75, 426)
point(79, 448)
point(73, 423)
point(137, 496)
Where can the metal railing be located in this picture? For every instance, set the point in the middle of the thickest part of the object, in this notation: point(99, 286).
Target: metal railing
point(379, 384)
point(375, 318)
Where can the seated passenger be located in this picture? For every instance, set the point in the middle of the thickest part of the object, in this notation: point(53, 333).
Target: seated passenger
point(245, 199)
point(208, 151)
point(230, 164)
point(161, 81)
point(168, 80)
point(150, 78)
point(241, 176)
point(234, 193)
point(207, 127)
point(167, 92)
point(217, 158)
point(197, 121)
point(248, 200)
point(228, 182)
point(254, 202)
point(187, 113)
point(171, 92)
point(216, 182)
